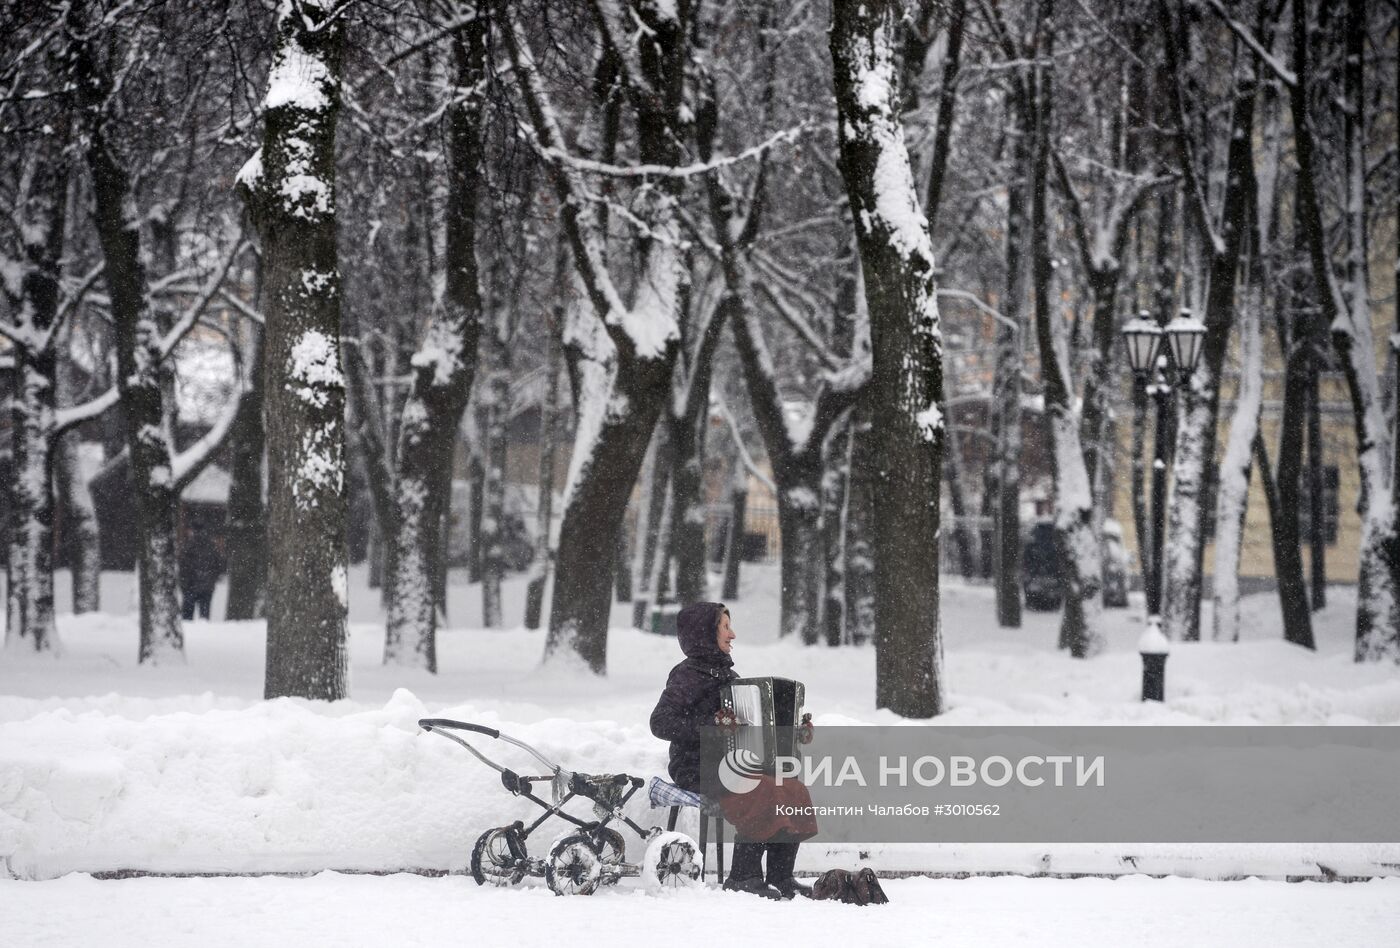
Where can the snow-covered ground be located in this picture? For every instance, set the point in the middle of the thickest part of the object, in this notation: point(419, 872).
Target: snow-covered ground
point(107, 766)
point(347, 911)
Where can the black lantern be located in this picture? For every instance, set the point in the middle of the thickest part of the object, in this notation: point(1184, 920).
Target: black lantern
point(1186, 335)
point(1144, 339)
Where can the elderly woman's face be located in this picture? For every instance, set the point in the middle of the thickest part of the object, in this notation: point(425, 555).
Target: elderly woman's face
point(724, 637)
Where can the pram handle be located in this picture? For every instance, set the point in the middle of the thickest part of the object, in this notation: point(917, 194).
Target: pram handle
point(442, 727)
point(428, 724)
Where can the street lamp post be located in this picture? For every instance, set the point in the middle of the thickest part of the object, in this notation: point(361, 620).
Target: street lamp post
point(1154, 350)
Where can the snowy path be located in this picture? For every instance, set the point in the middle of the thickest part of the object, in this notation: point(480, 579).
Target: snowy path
point(345, 911)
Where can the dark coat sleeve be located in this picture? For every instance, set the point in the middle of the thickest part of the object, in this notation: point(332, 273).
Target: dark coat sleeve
point(676, 717)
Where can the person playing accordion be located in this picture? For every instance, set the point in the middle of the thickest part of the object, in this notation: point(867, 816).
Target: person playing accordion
point(705, 690)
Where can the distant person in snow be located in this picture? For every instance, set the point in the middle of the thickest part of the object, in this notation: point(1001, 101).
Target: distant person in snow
point(690, 701)
point(201, 565)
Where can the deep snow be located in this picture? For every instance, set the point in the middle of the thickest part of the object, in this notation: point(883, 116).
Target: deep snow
point(105, 765)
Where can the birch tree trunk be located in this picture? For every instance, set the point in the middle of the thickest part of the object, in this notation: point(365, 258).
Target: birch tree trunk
point(30, 605)
point(906, 388)
point(290, 187)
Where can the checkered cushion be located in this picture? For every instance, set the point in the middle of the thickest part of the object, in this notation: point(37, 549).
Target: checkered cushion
point(663, 793)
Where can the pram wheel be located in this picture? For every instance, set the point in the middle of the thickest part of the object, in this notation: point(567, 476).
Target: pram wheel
point(611, 848)
point(575, 867)
point(671, 861)
point(497, 858)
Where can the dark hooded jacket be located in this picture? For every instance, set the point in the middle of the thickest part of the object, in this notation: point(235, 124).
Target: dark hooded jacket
point(691, 697)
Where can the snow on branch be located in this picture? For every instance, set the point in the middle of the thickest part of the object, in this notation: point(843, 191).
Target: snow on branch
point(186, 465)
point(744, 457)
point(1276, 66)
point(786, 135)
point(210, 289)
point(66, 418)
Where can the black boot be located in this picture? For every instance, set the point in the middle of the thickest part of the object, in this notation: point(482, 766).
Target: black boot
point(781, 859)
point(746, 872)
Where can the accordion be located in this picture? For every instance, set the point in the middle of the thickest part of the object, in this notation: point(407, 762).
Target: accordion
point(770, 710)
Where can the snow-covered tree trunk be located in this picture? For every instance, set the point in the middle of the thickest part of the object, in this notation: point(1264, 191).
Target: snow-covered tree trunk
point(906, 388)
point(442, 372)
point(625, 352)
point(30, 606)
point(497, 406)
point(1196, 436)
point(1349, 319)
point(1378, 595)
point(247, 524)
point(290, 187)
point(1233, 500)
point(1081, 567)
point(139, 379)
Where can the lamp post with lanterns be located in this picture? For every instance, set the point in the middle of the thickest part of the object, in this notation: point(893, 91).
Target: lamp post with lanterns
point(1162, 357)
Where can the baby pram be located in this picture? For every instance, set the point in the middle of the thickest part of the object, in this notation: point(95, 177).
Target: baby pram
point(580, 862)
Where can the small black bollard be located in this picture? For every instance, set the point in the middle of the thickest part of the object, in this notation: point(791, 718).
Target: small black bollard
point(1153, 647)
point(1154, 673)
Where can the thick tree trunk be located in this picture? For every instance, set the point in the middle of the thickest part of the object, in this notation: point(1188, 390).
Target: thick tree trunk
point(247, 523)
point(290, 186)
point(906, 389)
point(604, 468)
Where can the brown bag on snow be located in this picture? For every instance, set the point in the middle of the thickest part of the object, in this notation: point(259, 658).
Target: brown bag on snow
point(856, 888)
